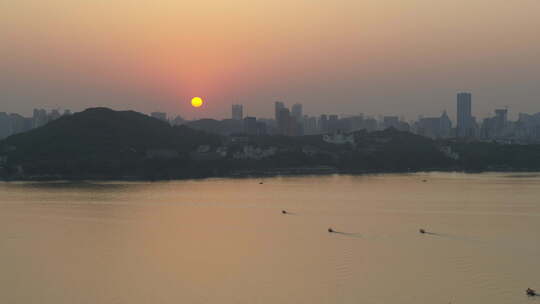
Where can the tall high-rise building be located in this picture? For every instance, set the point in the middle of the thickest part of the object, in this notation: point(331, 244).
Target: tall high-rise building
point(464, 126)
point(277, 108)
point(501, 118)
point(283, 121)
point(502, 115)
point(296, 111)
point(237, 112)
point(5, 125)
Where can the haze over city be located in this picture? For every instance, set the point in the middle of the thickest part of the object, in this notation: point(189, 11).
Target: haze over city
point(343, 57)
point(269, 151)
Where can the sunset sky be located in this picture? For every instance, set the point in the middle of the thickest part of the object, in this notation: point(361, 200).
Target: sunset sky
point(404, 57)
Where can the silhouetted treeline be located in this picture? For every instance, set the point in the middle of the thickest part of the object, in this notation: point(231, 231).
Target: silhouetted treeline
point(101, 143)
point(492, 156)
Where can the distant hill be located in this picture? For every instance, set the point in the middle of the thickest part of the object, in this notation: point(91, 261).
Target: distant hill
point(100, 143)
point(102, 133)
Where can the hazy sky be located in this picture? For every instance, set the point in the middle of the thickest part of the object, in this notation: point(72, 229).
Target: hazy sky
point(404, 57)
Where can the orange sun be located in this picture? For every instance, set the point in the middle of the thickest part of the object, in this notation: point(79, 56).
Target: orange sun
point(197, 102)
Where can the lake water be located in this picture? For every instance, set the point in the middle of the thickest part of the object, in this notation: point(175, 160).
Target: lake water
point(226, 241)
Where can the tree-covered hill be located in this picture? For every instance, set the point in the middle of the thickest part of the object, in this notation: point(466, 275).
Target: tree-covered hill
point(101, 133)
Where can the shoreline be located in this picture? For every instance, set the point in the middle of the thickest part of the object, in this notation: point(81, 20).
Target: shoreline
point(278, 172)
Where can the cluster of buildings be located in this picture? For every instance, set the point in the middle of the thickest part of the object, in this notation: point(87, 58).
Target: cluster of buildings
point(495, 128)
point(292, 122)
point(248, 125)
point(13, 123)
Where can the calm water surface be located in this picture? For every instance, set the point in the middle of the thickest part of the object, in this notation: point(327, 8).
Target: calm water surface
point(226, 241)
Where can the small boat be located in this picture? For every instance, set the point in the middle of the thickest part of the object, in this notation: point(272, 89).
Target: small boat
point(260, 183)
point(284, 211)
point(531, 292)
point(422, 231)
point(330, 230)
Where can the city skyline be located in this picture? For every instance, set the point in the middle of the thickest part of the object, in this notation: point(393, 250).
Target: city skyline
point(194, 114)
point(291, 121)
point(270, 111)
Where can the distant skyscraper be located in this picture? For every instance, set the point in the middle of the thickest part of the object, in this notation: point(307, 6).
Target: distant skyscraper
point(464, 117)
point(5, 125)
point(278, 107)
point(501, 118)
point(283, 121)
point(237, 112)
point(502, 115)
point(296, 111)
